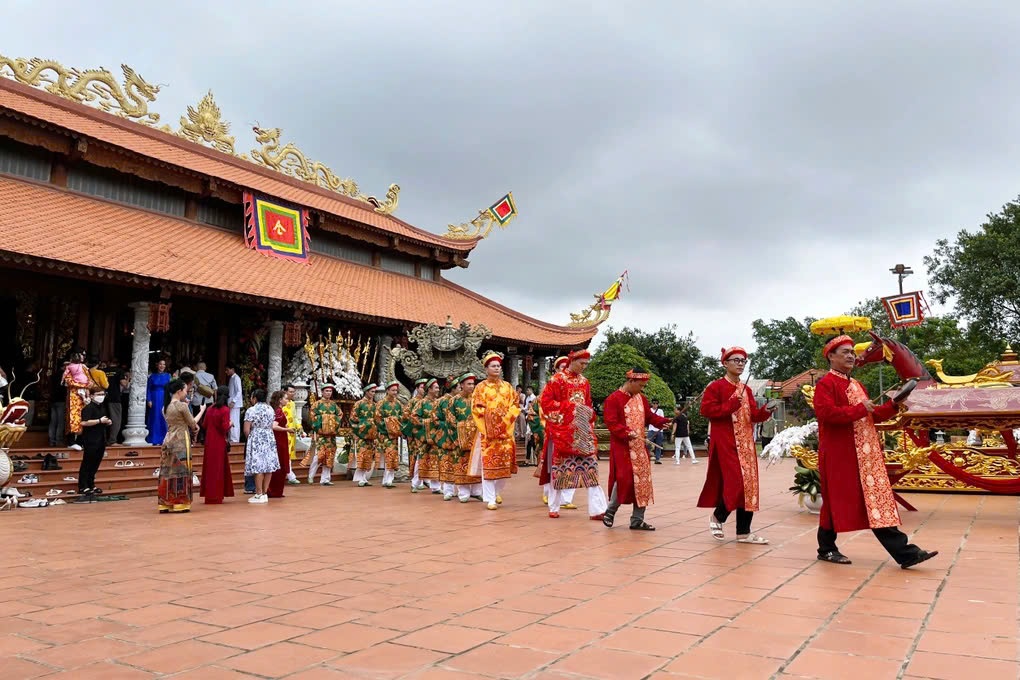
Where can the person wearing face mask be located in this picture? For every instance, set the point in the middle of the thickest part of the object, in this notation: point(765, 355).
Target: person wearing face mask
point(93, 440)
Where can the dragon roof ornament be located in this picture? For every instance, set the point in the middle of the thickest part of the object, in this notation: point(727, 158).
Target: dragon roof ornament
point(203, 123)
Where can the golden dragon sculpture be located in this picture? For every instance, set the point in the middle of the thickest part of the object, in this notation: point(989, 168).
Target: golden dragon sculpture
point(989, 376)
point(97, 87)
point(289, 160)
point(204, 125)
point(479, 228)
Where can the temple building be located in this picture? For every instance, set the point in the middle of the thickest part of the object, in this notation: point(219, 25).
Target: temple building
point(134, 240)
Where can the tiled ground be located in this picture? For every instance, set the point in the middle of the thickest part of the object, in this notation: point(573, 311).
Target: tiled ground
point(340, 582)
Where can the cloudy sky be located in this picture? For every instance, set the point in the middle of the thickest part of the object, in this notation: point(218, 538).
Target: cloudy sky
point(747, 160)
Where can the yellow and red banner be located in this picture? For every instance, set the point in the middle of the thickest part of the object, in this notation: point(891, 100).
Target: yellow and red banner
point(276, 229)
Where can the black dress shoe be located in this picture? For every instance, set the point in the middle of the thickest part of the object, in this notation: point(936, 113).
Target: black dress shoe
point(922, 556)
point(836, 557)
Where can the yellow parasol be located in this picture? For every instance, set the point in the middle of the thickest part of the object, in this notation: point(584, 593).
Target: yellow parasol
point(838, 325)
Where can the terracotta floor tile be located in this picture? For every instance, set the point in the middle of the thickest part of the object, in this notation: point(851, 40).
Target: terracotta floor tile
point(218, 600)
point(239, 615)
point(24, 669)
point(500, 620)
point(278, 660)
point(797, 607)
point(319, 674)
point(164, 633)
point(346, 637)
point(549, 638)
point(388, 660)
point(12, 645)
point(74, 612)
point(760, 642)
point(103, 671)
point(403, 618)
point(179, 657)
point(758, 619)
point(818, 664)
point(608, 664)
point(676, 621)
point(876, 625)
point(964, 644)
point(157, 613)
point(710, 606)
point(446, 638)
point(501, 661)
point(82, 653)
point(255, 635)
point(319, 617)
point(537, 604)
point(701, 662)
point(652, 642)
point(212, 673)
point(863, 644)
point(953, 667)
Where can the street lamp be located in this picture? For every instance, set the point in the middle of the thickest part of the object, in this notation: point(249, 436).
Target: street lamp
point(901, 271)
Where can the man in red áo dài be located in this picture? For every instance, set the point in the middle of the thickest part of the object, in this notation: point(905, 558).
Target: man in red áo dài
point(627, 415)
point(856, 493)
point(732, 480)
point(570, 443)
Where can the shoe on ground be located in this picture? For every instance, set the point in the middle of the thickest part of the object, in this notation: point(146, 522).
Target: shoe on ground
point(75, 447)
point(597, 518)
point(545, 500)
point(254, 499)
point(554, 515)
point(263, 499)
point(325, 483)
point(922, 556)
point(492, 506)
point(448, 497)
point(294, 482)
point(499, 500)
point(568, 506)
point(362, 483)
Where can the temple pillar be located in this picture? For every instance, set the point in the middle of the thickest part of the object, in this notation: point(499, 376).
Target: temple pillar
point(275, 356)
point(526, 378)
point(135, 431)
point(300, 399)
point(543, 372)
point(514, 375)
point(385, 345)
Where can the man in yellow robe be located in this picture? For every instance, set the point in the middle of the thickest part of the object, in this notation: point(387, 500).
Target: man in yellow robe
point(495, 407)
point(295, 425)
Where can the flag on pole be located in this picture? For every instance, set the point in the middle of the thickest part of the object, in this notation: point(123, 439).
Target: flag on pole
point(504, 210)
point(613, 292)
point(275, 229)
point(905, 310)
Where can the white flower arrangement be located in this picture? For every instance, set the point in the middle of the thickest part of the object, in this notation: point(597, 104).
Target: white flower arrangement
point(343, 374)
point(784, 441)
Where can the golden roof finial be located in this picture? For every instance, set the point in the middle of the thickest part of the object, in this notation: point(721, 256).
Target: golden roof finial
point(204, 125)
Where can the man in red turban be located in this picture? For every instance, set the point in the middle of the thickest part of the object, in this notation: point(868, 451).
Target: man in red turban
point(732, 479)
point(856, 493)
point(627, 415)
point(570, 444)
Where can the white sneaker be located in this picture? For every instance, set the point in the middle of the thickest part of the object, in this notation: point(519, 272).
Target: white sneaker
point(694, 461)
point(263, 499)
point(75, 447)
point(255, 499)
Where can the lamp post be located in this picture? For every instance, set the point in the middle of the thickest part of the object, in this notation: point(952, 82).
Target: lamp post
point(901, 271)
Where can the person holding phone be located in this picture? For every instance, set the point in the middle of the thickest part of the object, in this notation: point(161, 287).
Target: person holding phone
point(93, 440)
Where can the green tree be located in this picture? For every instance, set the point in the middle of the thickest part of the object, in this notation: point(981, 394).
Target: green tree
point(785, 347)
point(674, 357)
point(980, 272)
point(608, 370)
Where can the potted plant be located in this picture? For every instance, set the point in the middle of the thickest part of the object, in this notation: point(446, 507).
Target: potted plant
point(808, 487)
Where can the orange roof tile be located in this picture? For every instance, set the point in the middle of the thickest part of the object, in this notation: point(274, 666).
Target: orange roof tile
point(789, 387)
point(65, 228)
point(181, 153)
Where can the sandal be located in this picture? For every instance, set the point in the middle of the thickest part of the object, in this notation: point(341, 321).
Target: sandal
point(835, 556)
point(642, 526)
point(754, 539)
point(608, 517)
point(716, 529)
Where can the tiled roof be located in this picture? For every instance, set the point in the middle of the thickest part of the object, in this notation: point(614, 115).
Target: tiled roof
point(181, 153)
point(65, 229)
point(789, 387)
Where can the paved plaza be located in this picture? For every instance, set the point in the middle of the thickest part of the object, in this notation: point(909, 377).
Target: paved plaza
point(335, 583)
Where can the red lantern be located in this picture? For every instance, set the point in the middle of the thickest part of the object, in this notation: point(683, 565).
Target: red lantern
point(159, 317)
point(529, 363)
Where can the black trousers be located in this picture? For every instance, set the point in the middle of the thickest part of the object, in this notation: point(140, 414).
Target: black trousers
point(744, 518)
point(91, 457)
point(892, 539)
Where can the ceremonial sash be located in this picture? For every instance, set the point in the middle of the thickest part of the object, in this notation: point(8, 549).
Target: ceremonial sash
point(878, 494)
point(743, 433)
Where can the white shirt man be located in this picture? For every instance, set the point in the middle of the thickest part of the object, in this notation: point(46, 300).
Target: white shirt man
point(234, 402)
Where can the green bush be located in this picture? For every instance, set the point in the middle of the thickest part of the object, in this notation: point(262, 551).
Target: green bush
point(608, 371)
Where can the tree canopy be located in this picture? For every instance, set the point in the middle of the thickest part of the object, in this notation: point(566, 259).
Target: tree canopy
point(980, 273)
point(673, 357)
point(608, 370)
point(785, 347)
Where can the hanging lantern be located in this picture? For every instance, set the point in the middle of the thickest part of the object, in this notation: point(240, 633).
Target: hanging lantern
point(292, 333)
point(529, 363)
point(159, 317)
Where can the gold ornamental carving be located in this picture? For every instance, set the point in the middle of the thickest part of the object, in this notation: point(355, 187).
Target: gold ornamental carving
point(203, 124)
point(291, 161)
point(95, 87)
point(478, 228)
point(589, 317)
point(989, 376)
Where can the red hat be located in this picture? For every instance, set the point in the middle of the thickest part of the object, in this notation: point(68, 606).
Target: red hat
point(728, 352)
point(579, 354)
point(836, 343)
point(560, 360)
point(491, 356)
point(643, 377)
